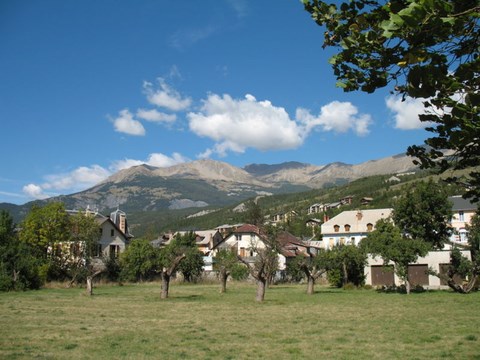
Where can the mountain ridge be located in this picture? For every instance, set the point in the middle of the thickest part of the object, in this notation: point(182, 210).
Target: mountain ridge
point(211, 183)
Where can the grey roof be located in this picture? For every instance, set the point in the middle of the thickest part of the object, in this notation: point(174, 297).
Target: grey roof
point(460, 203)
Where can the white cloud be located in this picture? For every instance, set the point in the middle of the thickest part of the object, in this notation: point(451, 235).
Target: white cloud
point(154, 115)
point(118, 165)
point(125, 123)
point(336, 116)
point(236, 125)
point(160, 160)
point(166, 96)
point(405, 113)
point(85, 177)
point(78, 179)
point(154, 159)
point(35, 192)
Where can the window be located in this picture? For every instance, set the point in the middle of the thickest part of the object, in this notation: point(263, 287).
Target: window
point(369, 227)
point(112, 232)
point(114, 251)
point(461, 216)
point(97, 252)
point(347, 228)
point(352, 241)
point(336, 228)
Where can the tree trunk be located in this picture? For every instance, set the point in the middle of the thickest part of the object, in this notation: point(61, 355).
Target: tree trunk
point(407, 285)
point(89, 286)
point(310, 285)
point(345, 273)
point(223, 280)
point(261, 285)
point(165, 285)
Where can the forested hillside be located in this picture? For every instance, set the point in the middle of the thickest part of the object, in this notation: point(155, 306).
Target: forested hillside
point(382, 191)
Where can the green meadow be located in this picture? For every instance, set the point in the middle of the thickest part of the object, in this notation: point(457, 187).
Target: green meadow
point(197, 322)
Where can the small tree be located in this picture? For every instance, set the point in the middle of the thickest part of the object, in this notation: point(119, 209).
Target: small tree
point(84, 238)
point(266, 261)
point(224, 262)
point(462, 266)
point(310, 266)
point(423, 213)
point(192, 266)
point(347, 263)
point(139, 262)
point(388, 242)
point(253, 213)
point(46, 227)
point(170, 257)
point(19, 267)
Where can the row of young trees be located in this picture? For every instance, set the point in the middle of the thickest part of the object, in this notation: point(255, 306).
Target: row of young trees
point(33, 254)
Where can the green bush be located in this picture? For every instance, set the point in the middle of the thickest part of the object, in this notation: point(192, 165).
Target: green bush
point(239, 272)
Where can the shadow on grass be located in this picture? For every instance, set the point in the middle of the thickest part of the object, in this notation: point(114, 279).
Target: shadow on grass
point(186, 298)
point(418, 289)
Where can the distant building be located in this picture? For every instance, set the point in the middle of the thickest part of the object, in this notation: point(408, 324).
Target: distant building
point(462, 212)
point(349, 227)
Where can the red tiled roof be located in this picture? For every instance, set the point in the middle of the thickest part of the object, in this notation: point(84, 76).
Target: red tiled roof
point(247, 228)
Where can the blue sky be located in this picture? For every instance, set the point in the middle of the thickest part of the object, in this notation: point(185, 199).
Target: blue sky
point(91, 87)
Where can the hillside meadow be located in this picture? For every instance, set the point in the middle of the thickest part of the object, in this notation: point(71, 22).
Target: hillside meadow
point(197, 322)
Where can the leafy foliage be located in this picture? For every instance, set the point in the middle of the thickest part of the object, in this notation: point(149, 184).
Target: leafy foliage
point(253, 213)
point(139, 262)
point(428, 50)
point(423, 213)
point(224, 263)
point(192, 265)
point(388, 242)
point(346, 265)
point(45, 227)
point(19, 267)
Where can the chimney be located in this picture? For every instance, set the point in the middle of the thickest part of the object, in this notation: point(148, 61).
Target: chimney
point(325, 218)
point(359, 215)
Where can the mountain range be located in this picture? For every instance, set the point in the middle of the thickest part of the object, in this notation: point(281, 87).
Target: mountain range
point(209, 183)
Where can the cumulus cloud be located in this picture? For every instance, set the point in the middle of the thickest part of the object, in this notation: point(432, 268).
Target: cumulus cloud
point(166, 97)
point(85, 177)
point(154, 159)
point(35, 192)
point(405, 113)
point(125, 123)
point(238, 124)
point(80, 178)
point(154, 115)
point(336, 116)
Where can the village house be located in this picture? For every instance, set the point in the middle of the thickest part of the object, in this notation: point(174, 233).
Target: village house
point(114, 232)
point(247, 239)
point(349, 227)
point(284, 217)
point(462, 212)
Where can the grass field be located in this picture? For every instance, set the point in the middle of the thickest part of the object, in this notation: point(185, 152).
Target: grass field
point(197, 322)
